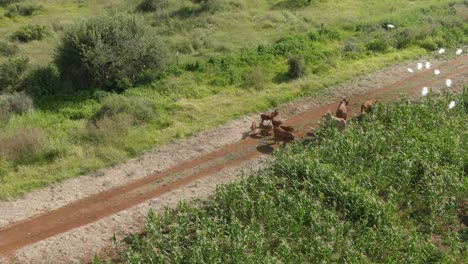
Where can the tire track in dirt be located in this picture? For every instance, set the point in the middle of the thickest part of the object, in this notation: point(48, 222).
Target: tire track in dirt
point(95, 207)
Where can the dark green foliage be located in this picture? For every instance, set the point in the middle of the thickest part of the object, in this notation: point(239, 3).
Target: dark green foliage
point(12, 73)
point(42, 81)
point(22, 9)
point(297, 67)
point(8, 49)
point(109, 52)
point(152, 5)
point(7, 2)
point(30, 32)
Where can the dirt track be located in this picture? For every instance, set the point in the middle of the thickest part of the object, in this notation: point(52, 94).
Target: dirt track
point(98, 206)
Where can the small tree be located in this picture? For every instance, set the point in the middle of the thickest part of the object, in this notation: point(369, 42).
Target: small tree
point(297, 67)
point(108, 52)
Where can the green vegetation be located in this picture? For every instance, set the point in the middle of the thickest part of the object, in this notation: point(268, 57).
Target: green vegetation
point(30, 32)
point(109, 52)
point(233, 58)
point(386, 190)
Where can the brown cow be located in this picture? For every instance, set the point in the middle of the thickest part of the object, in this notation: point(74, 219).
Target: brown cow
point(269, 116)
point(280, 134)
point(277, 123)
point(342, 110)
point(366, 107)
point(265, 130)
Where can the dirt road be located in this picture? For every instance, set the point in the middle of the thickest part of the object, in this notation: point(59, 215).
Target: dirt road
point(90, 209)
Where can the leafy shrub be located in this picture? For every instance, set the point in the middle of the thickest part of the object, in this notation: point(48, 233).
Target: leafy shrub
point(20, 103)
point(297, 67)
point(30, 32)
point(152, 5)
point(138, 108)
point(8, 49)
point(16, 103)
point(12, 73)
point(22, 9)
point(102, 51)
point(24, 146)
point(7, 2)
point(42, 80)
point(109, 129)
point(378, 44)
point(256, 78)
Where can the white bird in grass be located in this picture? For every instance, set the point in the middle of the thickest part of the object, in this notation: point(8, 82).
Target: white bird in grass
point(424, 91)
point(410, 70)
point(448, 82)
point(420, 65)
point(428, 65)
point(459, 51)
point(441, 51)
point(436, 72)
point(390, 26)
point(451, 105)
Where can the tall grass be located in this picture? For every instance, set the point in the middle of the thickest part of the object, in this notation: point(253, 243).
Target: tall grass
point(385, 190)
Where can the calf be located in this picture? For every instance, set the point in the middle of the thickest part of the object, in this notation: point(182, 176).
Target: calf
point(280, 134)
point(277, 123)
point(269, 116)
point(366, 107)
point(342, 110)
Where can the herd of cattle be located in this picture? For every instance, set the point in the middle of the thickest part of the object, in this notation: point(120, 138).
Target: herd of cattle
point(285, 133)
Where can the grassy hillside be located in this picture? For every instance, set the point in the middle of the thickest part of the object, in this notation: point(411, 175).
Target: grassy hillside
point(388, 189)
point(233, 59)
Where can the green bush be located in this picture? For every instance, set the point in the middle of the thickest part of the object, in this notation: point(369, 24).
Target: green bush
point(12, 73)
point(297, 67)
point(256, 78)
point(103, 51)
point(138, 108)
point(109, 129)
point(15, 103)
point(22, 9)
point(8, 49)
point(42, 80)
point(30, 32)
point(24, 146)
point(7, 2)
point(20, 103)
point(152, 5)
